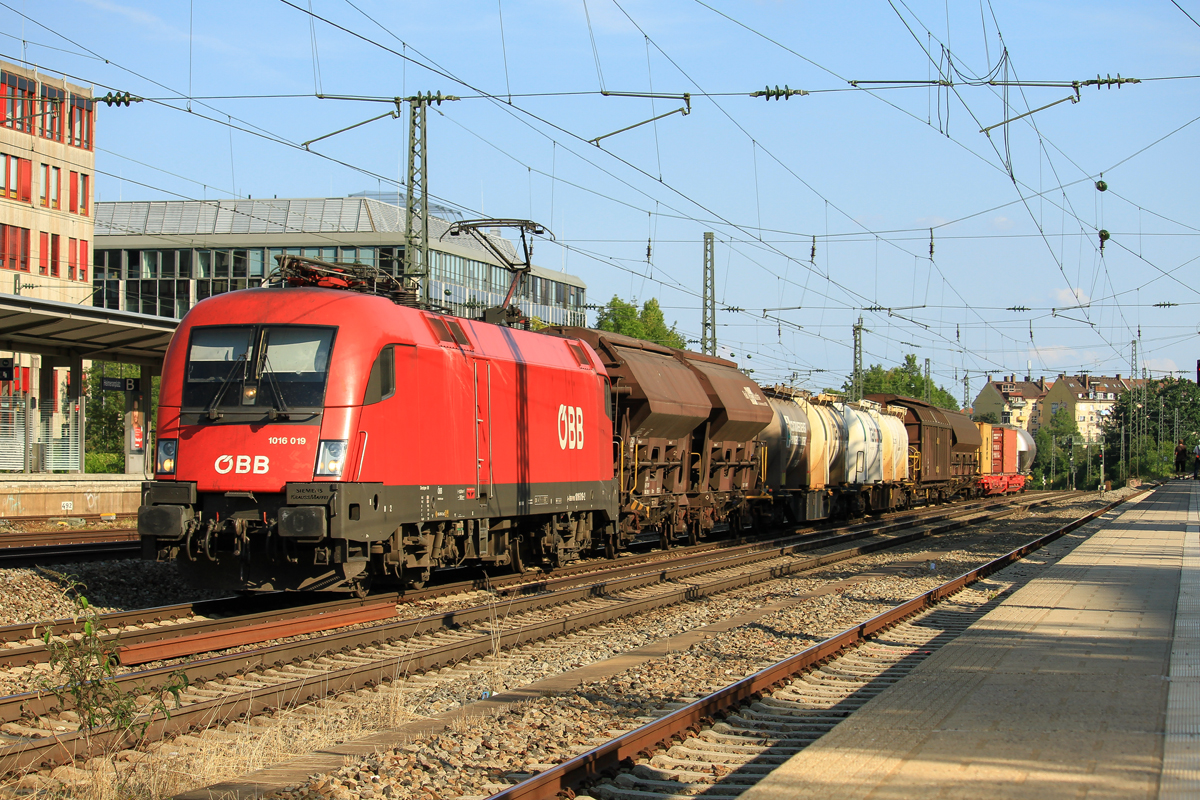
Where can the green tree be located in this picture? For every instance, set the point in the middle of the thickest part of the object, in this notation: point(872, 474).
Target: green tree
point(988, 417)
point(907, 379)
point(649, 323)
point(104, 431)
point(1148, 422)
point(1055, 442)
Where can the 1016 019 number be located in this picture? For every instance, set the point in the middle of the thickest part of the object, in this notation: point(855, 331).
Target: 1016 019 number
point(286, 440)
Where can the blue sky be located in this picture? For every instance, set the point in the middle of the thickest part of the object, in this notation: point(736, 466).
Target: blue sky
point(822, 205)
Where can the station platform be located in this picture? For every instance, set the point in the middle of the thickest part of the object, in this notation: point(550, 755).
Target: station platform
point(1085, 682)
point(50, 494)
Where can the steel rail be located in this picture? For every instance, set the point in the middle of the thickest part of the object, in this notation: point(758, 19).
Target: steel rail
point(584, 769)
point(64, 748)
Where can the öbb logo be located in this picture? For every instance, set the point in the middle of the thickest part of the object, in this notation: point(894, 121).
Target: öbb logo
point(242, 465)
point(570, 427)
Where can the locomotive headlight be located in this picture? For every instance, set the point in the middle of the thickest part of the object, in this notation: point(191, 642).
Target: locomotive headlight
point(165, 462)
point(331, 458)
point(249, 394)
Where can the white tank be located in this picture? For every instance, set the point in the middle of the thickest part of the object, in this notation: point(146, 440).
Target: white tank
point(864, 446)
point(895, 448)
point(1026, 451)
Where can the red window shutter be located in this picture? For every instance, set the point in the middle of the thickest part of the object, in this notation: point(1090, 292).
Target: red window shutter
point(71, 259)
point(83, 259)
point(10, 247)
point(43, 253)
point(25, 180)
point(74, 188)
point(24, 260)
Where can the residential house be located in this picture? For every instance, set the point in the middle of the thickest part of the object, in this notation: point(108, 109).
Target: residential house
point(1014, 402)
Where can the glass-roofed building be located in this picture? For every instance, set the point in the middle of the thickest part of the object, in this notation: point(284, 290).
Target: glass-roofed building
point(163, 257)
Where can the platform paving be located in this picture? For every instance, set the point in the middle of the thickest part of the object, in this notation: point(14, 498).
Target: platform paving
point(1083, 683)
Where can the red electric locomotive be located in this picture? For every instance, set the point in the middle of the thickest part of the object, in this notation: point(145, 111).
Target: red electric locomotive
point(310, 438)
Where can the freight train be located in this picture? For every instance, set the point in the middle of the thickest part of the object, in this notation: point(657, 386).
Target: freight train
point(314, 438)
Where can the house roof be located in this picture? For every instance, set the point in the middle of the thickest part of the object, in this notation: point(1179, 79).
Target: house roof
point(1029, 390)
point(1082, 385)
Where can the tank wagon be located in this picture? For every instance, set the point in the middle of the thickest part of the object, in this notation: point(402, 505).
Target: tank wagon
point(828, 458)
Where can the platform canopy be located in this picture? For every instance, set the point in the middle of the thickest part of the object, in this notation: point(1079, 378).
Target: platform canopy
point(52, 328)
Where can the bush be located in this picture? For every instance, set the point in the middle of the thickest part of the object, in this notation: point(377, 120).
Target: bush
point(104, 462)
point(81, 678)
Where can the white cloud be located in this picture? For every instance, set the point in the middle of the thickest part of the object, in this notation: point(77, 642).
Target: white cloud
point(1074, 297)
point(1002, 223)
point(1160, 366)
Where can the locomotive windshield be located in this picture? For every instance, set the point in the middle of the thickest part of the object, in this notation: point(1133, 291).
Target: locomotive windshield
point(277, 367)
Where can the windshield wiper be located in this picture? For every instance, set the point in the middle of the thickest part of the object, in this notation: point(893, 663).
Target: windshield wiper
point(211, 412)
point(282, 411)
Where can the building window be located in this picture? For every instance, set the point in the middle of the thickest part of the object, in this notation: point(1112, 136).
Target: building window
point(55, 183)
point(84, 188)
point(71, 253)
point(83, 259)
point(15, 244)
point(19, 106)
point(79, 130)
point(51, 126)
point(44, 186)
point(54, 255)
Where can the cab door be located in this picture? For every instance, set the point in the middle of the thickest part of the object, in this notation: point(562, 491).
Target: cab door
point(482, 370)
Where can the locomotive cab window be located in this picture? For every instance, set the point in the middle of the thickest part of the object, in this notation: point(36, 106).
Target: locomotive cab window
point(382, 382)
point(277, 367)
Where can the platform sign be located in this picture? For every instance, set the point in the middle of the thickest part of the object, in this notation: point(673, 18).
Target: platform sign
point(121, 384)
point(6, 369)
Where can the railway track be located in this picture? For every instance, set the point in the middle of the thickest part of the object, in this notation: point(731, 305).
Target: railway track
point(20, 549)
point(239, 684)
point(268, 615)
point(718, 745)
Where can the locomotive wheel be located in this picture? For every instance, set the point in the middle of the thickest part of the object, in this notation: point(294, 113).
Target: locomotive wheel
point(610, 546)
point(664, 536)
point(517, 554)
point(694, 532)
point(362, 587)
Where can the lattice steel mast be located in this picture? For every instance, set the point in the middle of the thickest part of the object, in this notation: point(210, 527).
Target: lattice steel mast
point(708, 322)
point(416, 202)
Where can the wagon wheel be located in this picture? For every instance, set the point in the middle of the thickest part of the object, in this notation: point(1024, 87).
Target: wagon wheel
point(361, 587)
point(735, 525)
point(610, 546)
point(694, 532)
point(665, 534)
point(417, 579)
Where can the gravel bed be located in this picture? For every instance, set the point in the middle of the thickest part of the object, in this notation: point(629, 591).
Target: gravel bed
point(45, 593)
point(480, 759)
point(480, 755)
